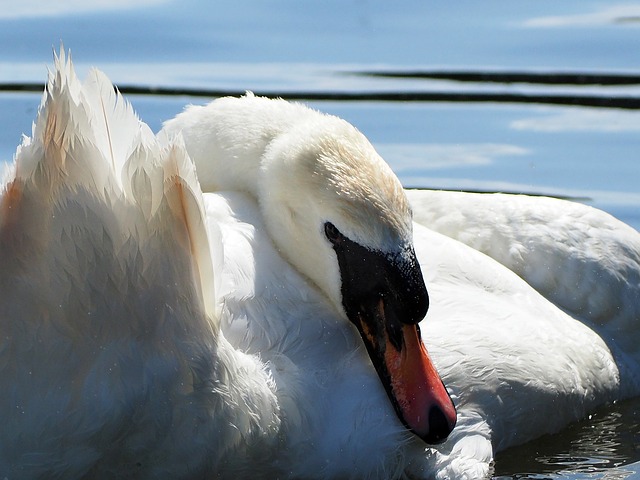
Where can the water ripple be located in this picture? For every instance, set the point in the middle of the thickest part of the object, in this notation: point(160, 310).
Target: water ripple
point(606, 445)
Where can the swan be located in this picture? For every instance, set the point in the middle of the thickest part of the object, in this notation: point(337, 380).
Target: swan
point(533, 301)
point(154, 331)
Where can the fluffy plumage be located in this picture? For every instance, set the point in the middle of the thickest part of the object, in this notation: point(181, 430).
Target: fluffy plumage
point(111, 356)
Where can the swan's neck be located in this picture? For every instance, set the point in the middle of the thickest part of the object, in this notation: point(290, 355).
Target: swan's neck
point(227, 139)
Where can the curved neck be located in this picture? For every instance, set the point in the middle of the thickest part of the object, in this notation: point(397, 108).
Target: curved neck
point(227, 138)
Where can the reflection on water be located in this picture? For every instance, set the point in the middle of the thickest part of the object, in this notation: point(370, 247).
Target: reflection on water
point(16, 10)
point(416, 158)
point(580, 120)
point(612, 15)
point(598, 447)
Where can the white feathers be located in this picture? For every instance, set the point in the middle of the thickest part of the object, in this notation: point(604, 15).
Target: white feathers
point(111, 361)
point(578, 257)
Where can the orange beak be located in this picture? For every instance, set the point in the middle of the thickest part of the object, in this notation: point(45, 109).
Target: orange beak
point(423, 402)
point(384, 296)
point(414, 387)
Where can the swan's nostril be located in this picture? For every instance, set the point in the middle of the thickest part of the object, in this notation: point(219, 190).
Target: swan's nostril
point(439, 426)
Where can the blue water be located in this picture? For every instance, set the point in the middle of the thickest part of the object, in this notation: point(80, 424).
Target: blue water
point(291, 46)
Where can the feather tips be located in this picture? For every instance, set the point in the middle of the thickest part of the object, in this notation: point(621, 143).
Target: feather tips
point(106, 275)
point(87, 137)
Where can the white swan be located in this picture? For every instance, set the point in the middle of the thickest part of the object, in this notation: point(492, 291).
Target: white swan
point(131, 306)
point(518, 365)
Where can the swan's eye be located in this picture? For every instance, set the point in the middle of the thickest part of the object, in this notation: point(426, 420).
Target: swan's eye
point(332, 233)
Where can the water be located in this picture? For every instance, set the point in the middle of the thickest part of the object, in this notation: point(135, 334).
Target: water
point(287, 46)
point(604, 446)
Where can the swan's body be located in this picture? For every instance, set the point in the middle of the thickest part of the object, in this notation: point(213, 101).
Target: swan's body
point(150, 331)
point(580, 258)
point(519, 362)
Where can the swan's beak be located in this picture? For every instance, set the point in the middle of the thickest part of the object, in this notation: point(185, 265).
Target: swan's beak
point(414, 387)
point(385, 297)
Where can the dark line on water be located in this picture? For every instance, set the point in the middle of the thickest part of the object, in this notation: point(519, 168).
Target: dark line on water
point(622, 102)
point(21, 87)
point(541, 78)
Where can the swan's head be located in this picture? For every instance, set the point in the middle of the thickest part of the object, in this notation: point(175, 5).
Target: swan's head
point(336, 211)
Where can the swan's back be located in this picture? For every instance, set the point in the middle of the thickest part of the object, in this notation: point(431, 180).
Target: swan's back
point(108, 350)
point(578, 257)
